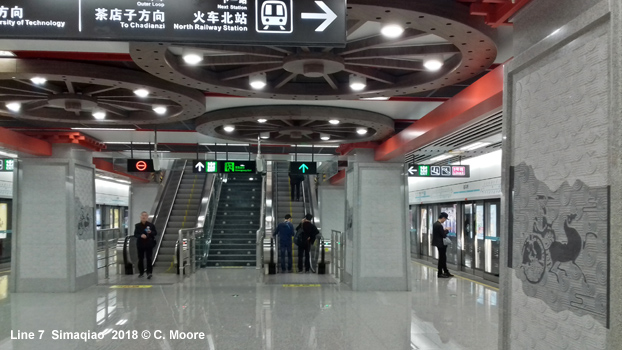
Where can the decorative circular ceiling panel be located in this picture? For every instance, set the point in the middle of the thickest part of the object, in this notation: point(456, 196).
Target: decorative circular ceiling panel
point(295, 124)
point(78, 93)
point(439, 30)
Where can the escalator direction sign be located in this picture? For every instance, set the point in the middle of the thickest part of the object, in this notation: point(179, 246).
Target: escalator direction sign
point(7, 164)
point(140, 165)
point(303, 168)
point(224, 167)
point(447, 171)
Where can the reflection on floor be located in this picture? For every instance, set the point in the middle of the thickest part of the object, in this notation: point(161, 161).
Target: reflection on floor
point(235, 309)
point(299, 278)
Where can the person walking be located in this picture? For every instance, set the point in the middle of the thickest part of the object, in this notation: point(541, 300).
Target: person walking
point(438, 234)
point(145, 233)
point(295, 183)
point(285, 232)
point(309, 232)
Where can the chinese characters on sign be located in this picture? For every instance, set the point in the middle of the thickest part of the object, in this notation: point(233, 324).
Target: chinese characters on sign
point(7, 164)
point(132, 18)
point(230, 16)
point(201, 166)
point(14, 17)
point(447, 171)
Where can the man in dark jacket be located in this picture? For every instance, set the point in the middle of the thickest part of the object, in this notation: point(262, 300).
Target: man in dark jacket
point(295, 184)
point(309, 232)
point(438, 233)
point(145, 233)
point(285, 232)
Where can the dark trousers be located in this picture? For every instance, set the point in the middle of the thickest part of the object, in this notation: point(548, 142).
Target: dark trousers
point(442, 260)
point(144, 252)
point(295, 191)
point(304, 249)
point(285, 253)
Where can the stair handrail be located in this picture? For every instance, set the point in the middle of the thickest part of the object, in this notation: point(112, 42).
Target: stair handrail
point(188, 255)
point(261, 232)
point(170, 210)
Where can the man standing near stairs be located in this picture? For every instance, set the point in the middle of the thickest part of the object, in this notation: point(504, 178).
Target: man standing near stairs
point(309, 232)
point(285, 232)
point(145, 233)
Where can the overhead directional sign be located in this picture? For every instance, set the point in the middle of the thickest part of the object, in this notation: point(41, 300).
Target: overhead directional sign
point(140, 165)
point(447, 171)
point(223, 167)
point(303, 168)
point(7, 164)
point(285, 22)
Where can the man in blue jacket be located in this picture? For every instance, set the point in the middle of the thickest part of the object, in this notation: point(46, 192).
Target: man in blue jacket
point(285, 232)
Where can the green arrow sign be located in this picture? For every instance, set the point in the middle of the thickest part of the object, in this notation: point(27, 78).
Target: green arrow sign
point(304, 168)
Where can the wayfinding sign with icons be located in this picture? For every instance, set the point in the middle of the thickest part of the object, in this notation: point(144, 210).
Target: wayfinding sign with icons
point(224, 166)
point(279, 22)
point(7, 164)
point(447, 171)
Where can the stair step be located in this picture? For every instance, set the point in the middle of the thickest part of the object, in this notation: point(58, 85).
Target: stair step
point(249, 246)
point(230, 263)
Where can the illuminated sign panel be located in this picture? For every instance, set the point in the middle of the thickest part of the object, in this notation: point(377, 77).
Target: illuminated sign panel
point(448, 171)
point(140, 165)
point(205, 21)
point(223, 167)
point(303, 168)
point(7, 164)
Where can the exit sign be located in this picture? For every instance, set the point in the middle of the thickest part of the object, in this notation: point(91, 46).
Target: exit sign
point(224, 167)
point(140, 165)
point(7, 164)
point(303, 168)
point(447, 171)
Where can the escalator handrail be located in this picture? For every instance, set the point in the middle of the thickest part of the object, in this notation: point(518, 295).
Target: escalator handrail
point(208, 211)
point(168, 215)
point(261, 232)
point(161, 193)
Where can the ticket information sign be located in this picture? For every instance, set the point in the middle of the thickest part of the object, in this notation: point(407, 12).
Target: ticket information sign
point(253, 22)
point(448, 171)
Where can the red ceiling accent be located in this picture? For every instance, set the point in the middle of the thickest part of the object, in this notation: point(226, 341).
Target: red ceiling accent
point(68, 137)
point(497, 12)
point(480, 98)
point(21, 143)
point(338, 178)
point(349, 147)
point(105, 165)
point(76, 56)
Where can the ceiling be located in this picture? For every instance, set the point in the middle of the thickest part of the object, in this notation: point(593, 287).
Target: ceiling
point(312, 81)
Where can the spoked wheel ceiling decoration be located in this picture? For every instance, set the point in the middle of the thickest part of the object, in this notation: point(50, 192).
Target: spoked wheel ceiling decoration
point(295, 124)
point(390, 66)
point(77, 93)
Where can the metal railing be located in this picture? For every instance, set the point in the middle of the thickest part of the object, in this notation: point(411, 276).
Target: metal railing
point(185, 249)
point(336, 246)
point(106, 241)
point(261, 232)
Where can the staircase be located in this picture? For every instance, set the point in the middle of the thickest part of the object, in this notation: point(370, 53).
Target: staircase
point(184, 215)
point(237, 221)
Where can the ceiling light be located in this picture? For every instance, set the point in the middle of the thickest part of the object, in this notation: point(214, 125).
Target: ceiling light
point(105, 129)
point(392, 30)
point(6, 154)
point(375, 98)
point(433, 64)
point(262, 120)
point(14, 106)
point(441, 157)
point(324, 137)
point(265, 135)
point(361, 131)
point(258, 81)
point(192, 56)
point(475, 146)
point(141, 92)
point(159, 109)
point(6, 54)
point(357, 82)
point(99, 114)
point(38, 80)
point(228, 128)
point(334, 121)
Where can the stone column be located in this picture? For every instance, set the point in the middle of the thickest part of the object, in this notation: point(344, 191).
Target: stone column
point(560, 282)
point(377, 238)
point(54, 246)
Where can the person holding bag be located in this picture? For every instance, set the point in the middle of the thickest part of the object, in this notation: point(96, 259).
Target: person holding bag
point(439, 238)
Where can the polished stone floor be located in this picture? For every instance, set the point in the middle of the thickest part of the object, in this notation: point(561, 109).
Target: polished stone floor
point(236, 309)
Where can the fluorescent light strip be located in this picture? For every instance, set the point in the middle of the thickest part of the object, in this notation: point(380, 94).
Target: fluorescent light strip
point(6, 154)
point(103, 129)
point(475, 146)
point(441, 157)
point(125, 143)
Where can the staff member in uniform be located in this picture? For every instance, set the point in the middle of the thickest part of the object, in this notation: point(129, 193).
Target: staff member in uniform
point(438, 233)
point(145, 233)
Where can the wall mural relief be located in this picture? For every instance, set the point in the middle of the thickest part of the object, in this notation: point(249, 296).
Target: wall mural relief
point(561, 244)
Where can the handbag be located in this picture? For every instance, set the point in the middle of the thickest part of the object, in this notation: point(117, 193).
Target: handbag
point(446, 241)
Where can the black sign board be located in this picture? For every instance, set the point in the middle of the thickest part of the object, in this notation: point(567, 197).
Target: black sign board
point(7, 164)
point(447, 171)
point(224, 166)
point(281, 22)
point(303, 168)
point(140, 165)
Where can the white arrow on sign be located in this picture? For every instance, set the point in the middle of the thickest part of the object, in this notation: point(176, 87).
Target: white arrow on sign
point(200, 166)
point(412, 170)
point(328, 16)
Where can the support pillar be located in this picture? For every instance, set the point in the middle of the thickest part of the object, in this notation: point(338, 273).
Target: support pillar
point(377, 256)
point(54, 246)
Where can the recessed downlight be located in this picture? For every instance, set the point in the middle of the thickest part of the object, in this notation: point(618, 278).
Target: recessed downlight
point(265, 135)
point(228, 128)
point(392, 30)
point(324, 137)
point(99, 114)
point(262, 120)
point(192, 56)
point(357, 82)
point(334, 121)
point(141, 92)
point(159, 109)
point(433, 64)
point(13, 106)
point(38, 80)
point(361, 131)
point(258, 81)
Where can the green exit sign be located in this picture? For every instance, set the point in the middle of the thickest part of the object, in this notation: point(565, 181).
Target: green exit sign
point(224, 167)
point(303, 168)
point(7, 164)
